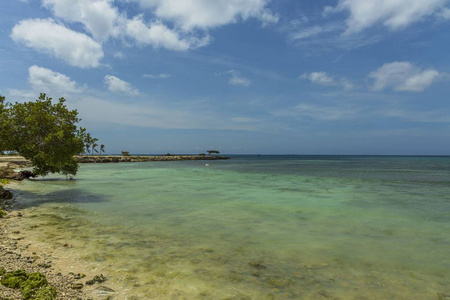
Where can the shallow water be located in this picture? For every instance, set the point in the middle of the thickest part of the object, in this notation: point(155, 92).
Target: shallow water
point(269, 227)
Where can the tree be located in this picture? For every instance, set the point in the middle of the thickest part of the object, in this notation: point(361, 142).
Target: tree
point(94, 146)
point(213, 152)
point(88, 141)
point(102, 149)
point(43, 132)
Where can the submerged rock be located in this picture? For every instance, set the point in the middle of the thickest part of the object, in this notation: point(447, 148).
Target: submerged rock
point(97, 279)
point(5, 194)
point(257, 265)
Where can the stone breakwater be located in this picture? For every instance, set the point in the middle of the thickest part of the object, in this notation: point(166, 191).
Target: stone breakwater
point(118, 159)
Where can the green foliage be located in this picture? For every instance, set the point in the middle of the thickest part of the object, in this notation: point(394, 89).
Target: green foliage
point(2, 214)
point(43, 132)
point(213, 152)
point(2, 271)
point(125, 153)
point(32, 285)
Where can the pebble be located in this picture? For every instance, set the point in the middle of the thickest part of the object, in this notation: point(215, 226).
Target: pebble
point(77, 286)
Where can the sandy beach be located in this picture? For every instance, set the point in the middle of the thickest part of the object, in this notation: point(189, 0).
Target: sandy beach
point(16, 253)
point(20, 250)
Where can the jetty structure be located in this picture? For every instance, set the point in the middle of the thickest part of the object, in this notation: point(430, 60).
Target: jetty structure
point(143, 158)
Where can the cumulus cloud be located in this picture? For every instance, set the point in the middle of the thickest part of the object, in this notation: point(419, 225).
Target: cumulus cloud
point(46, 36)
point(117, 85)
point(50, 82)
point(99, 17)
point(403, 76)
point(205, 14)
point(158, 35)
point(394, 14)
point(322, 78)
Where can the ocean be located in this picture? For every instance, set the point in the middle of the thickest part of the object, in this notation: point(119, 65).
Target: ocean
point(254, 227)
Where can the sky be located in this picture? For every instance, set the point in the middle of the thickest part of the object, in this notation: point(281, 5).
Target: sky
point(239, 76)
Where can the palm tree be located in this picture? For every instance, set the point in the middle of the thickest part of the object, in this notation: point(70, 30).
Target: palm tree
point(94, 145)
point(102, 149)
point(88, 142)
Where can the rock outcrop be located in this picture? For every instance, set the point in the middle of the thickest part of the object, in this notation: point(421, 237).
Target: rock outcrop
point(118, 159)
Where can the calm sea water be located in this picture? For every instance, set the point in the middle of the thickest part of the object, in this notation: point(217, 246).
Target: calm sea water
point(268, 227)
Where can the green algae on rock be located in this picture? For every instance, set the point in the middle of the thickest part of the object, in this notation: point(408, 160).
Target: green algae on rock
point(31, 285)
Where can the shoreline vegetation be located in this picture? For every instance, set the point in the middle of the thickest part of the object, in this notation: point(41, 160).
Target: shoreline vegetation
point(27, 269)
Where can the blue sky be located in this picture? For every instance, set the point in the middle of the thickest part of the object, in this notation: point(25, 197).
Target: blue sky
point(240, 76)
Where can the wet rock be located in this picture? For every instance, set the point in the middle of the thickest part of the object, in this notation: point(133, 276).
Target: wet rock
point(77, 286)
point(5, 194)
point(27, 174)
point(97, 279)
point(79, 276)
point(45, 265)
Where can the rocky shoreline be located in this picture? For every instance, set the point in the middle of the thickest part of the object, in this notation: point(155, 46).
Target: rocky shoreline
point(30, 271)
point(14, 162)
point(118, 159)
point(20, 252)
point(16, 256)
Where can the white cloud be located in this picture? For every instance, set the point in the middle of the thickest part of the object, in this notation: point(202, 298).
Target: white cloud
point(22, 95)
point(236, 78)
point(445, 13)
point(99, 17)
point(205, 14)
point(403, 76)
point(346, 84)
point(47, 81)
point(394, 14)
point(322, 78)
point(156, 115)
point(117, 85)
point(46, 36)
point(119, 55)
point(158, 35)
point(158, 76)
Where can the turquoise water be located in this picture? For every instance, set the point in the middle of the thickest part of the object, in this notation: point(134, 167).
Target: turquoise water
point(269, 227)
